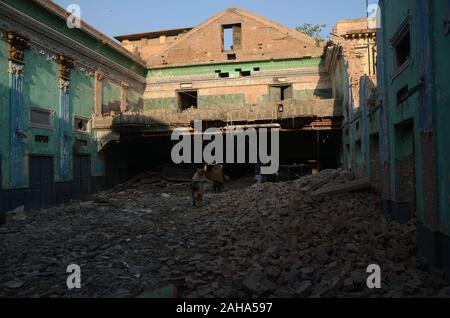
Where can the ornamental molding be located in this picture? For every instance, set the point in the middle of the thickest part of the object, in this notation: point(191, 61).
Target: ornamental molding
point(66, 64)
point(43, 37)
point(17, 46)
point(64, 84)
point(15, 69)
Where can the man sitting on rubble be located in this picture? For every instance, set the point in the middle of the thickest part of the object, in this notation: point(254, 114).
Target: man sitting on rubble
point(198, 187)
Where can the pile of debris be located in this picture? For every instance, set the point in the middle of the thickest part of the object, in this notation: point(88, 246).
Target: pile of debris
point(313, 237)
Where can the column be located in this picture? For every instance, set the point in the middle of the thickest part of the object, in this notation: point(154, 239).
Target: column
point(17, 47)
point(65, 66)
point(98, 93)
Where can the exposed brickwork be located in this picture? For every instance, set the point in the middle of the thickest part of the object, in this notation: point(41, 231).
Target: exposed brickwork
point(429, 163)
point(405, 187)
point(255, 89)
point(385, 182)
point(151, 45)
point(375, 168)
point(262, 39)
point(357, 44)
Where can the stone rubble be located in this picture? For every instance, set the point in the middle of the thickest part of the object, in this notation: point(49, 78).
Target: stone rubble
point(270, 240)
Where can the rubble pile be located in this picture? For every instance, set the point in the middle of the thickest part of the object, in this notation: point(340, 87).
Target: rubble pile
point(269, 240)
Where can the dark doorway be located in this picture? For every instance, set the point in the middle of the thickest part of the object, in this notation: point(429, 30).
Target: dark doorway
point(187, 99)
point(82, 175)
point(41, 182)
point(405, 171)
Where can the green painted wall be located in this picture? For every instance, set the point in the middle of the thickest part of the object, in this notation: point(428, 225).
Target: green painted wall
point(41, 89)
point(395, 13)
point(111, 95)
point(233, 70)
point(4, 111)
point(441, 51)
point(169, 103)
point(81, 104)
point(404, 142)
point(134, 101)
point(231, 67)
point(45, 16)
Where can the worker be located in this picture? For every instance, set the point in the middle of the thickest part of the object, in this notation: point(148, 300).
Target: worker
point(198, 187)
point(217, 177)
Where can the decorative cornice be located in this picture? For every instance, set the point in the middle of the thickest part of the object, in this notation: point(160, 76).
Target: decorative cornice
point(361, 34)
point(15, 69)
point(17, 46)
point(64, 84)
point(99, 76)
point(43, 36)
point(66, 64)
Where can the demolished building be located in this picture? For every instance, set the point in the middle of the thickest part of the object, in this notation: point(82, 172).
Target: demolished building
point(83, 113)
point(242, 70)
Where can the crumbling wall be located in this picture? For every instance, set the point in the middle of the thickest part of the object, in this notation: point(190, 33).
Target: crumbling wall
point(262, 39)
point(306, 76)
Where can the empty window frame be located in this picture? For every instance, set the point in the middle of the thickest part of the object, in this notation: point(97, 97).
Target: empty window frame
point(81, 124)
point(41, 118)
point(231, 37)
point(41, 139)
point(187, 100)
point(401, 45)
point(280, 93)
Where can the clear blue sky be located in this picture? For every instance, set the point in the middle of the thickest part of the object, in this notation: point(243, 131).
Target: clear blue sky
point(119, 17)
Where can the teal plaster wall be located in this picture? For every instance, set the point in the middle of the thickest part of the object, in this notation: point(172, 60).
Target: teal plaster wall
point(441, 49)
point(41, 89)
point(81, 104)
point(134, 101)
point(111, 95)
point(38, 12)
point(4, 111)
point(394, 13)
point(169, 103)
point(232, 68)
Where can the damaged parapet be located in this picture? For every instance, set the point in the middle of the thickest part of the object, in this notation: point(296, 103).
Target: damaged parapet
point(271, 112)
